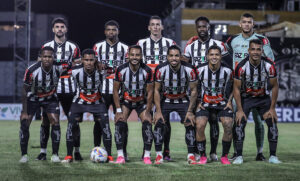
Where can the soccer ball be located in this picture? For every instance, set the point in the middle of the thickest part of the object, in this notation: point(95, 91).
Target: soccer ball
point(98, 155)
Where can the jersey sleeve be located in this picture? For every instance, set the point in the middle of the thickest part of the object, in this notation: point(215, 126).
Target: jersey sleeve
point(118, 76)
point(272, 73)
point(192, 75)
point(238, 72)
point(267, 49)
point(28, 77)
point(158, 75)
point(149, 77)
point(76, 53)
point(187, 51)
point(96, 50)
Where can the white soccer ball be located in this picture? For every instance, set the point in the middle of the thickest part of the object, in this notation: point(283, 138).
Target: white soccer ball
point(98, 155)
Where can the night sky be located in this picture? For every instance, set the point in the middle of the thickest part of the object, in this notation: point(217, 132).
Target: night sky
point(87, 19)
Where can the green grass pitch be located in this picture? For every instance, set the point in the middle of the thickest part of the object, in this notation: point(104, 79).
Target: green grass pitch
point(11, 169)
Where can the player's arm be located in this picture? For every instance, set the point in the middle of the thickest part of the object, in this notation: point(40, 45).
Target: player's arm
point(237, 97)
point(149, 90)
point(76, 58)
point(275, 87)
point(267, 49)
point(119, 113)
point(193, 99)
point(187, 54)
point(26, 89)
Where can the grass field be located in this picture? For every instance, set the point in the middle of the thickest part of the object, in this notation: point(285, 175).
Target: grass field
point(11, 169)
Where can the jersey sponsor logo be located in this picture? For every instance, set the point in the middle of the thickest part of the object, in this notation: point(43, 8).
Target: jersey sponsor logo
point(173, 89)
point(90, 98)
point(255, 93)
point(213, 99)
point(213, 89)
point(133, 99)
point(156, 57)
point(255, 84)
point(240, 55)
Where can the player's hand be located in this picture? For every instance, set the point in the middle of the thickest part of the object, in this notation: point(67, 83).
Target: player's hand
point(239, 116)
point(158, 116)
point(147, 116)
point(23, 116)
point(191, 117)
point(200, 107)
point(228, 105)
point(119, 117)
point(272, 114)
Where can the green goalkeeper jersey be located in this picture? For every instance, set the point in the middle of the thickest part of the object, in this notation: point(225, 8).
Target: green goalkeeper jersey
point(238, 46)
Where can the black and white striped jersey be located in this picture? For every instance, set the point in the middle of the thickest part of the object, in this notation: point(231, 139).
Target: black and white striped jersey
point(254, 78)
point(43, 84)
point(196, 51)
point(216, 87)
point(175, 84)
point(88, 86)
point(155, 52)
point(112, 56)
point(67, 51)
point(133, 84)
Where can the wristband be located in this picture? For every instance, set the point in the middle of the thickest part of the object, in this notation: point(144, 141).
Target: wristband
point(119, 110)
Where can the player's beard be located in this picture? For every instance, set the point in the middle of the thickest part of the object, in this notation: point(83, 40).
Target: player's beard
point(203, 36)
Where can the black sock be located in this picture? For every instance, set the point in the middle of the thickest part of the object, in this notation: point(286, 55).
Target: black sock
point(24, 136)
point(158, 134)
point(55, 136)
point(167, 136)
point(106, 133)
point(201, 145)
point(76, 137)
point(214, 136)
point(125, 140)
point(190, 138)
point(97, 133)
point(272, 136)
point(44, 135)
point(239, 134)
point(225, 147)
point(120, 134)
point(147, 135)
point(69, 139)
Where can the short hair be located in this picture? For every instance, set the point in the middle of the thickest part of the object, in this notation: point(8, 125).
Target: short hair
point(111, 23)
point(213, 47)
point(46, 48)
point(155, 17)
point(173, 47)
point(88, 51)
point(247, 15)
point(256, 41)
point(59, 20)
point(136, 47)
point(201, 18)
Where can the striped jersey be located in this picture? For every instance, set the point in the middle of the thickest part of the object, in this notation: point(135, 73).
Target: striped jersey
point(43, 84)
point(112, 56)
point(196, 51)
point(133, 84)
point(175, 84)
point(238, 47)
point(155, 52)
point(254, 78)
point(216, 87)
point(88, 86)
point(67, 51)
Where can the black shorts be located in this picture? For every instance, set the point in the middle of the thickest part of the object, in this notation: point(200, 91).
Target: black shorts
point(261, 104)
point(139, 108)
point(91, 108)
point(180, 108)
point(65, 102)
point(49, 106)
point(109, 100)
point(211, 112)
